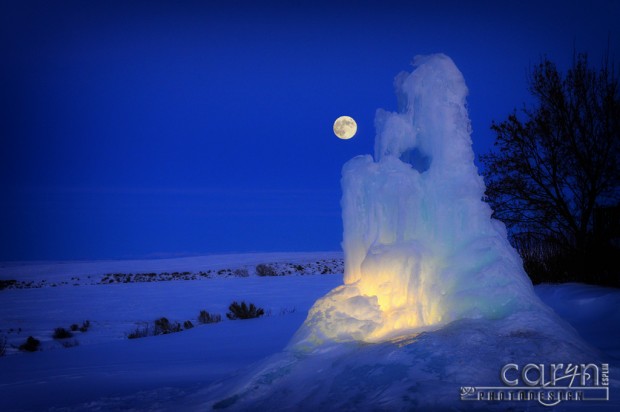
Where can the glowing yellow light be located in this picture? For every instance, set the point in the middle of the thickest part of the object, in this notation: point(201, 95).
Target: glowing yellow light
point(405, 306)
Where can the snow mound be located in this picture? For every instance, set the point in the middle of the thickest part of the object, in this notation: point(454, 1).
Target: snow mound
point(416, 372)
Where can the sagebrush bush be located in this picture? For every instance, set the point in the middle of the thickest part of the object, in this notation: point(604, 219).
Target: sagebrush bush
point(85, 326)
point(139, 332)
point(265, 270)
point(205, 317)
point(244, 311)
point(62, 333)
point(4, 284)
point(31, 345)
point(188, 324)
point(163, 327)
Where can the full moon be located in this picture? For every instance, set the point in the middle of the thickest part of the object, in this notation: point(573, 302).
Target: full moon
point(345, 127)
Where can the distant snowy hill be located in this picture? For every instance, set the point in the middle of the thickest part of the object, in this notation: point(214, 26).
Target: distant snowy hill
point(60, 270)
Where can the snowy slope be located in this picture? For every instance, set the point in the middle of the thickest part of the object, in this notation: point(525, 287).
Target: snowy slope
point(106, 363)
point(592, 310)
point(418, 372)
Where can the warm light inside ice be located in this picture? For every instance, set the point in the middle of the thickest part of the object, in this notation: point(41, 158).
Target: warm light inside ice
point(421, 249)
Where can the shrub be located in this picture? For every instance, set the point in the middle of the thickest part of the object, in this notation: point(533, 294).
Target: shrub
point(163, 327)
point(2, 345)
point(206, 317)
point(265, 270)
point(62, 333)
point(244, 311)
point(139, 332)
point(188, 324)
point(31, 345)
point(85, 326)
point(4, 284)
point(241, 272)
point(74, 327)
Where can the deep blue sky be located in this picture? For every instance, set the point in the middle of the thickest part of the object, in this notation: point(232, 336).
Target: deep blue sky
point(136, 129)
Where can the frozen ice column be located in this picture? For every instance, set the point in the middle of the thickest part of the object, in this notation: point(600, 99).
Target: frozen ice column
point(421, 249)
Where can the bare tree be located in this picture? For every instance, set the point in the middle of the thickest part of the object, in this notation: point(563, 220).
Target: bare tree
point(560, 160)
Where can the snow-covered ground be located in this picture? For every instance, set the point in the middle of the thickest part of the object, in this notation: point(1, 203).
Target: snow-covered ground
point(107, 371)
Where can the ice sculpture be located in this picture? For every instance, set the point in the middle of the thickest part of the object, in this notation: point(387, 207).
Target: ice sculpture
point(421, 254)
point(421, 249)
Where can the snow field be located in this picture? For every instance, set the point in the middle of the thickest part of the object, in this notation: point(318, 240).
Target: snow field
point(106, 364)
point(106, 371)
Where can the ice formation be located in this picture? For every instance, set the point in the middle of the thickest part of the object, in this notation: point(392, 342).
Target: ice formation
point(421, 249)
point(434, 297)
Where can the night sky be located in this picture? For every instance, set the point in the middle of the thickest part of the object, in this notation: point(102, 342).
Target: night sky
point(156, 129)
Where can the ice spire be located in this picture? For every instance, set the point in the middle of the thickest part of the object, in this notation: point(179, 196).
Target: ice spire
point(421, 249)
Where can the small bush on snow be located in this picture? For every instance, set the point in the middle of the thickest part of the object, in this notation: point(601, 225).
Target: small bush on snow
point(139, 332)
point(188, 324)
point(265, 270)
point(4, 284)
point(62, 333)
point(31, 345)
point(163, 327)
point(205, 317)
point(244, 311)
point(85, 326)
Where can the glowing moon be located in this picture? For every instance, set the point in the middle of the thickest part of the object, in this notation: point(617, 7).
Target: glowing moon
point(345, 127)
